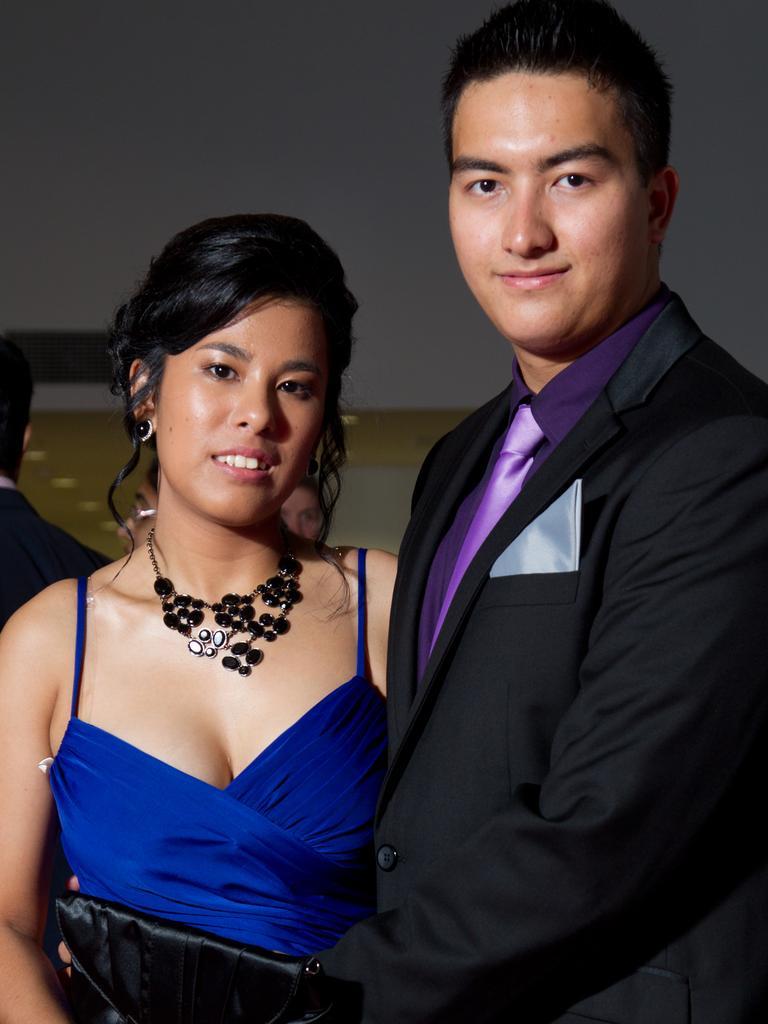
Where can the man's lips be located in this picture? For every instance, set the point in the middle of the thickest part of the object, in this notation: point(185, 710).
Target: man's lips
point(533, 280)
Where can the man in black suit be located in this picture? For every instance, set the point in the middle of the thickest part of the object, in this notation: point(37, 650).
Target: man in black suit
point(33, 552)
point(571, 824)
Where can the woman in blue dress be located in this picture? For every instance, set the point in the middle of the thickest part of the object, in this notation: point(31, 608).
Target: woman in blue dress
point(207, 719)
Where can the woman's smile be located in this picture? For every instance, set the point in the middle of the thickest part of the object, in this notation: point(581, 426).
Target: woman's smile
point(250, 466)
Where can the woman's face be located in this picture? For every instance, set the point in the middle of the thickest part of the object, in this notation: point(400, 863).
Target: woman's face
point(239, 414)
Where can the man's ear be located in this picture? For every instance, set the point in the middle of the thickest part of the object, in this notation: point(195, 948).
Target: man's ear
point(662, 193)
point(137, 375)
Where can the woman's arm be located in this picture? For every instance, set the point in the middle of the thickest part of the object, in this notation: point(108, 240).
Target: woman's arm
point(32, 656)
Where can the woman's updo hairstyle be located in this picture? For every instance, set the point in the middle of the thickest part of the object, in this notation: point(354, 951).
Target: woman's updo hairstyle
point(205, 278)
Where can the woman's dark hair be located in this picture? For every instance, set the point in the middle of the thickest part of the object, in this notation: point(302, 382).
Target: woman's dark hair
point(203, 280)
point(587, 37)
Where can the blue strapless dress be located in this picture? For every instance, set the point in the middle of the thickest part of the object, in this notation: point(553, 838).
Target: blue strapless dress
point(281, 858)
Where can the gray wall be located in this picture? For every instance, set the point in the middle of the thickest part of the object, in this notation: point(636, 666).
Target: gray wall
point(122, 123)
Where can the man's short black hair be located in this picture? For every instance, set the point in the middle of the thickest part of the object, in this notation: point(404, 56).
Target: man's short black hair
point(584, 36)
point(15, 398)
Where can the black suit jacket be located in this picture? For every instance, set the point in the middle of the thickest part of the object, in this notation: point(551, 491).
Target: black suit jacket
point(33, 554)
point(576, 789)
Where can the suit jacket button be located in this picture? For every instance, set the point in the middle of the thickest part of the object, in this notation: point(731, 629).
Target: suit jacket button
point(386, 857)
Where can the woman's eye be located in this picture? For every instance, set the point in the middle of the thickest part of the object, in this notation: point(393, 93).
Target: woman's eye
point(294, 387)
point(220, 371)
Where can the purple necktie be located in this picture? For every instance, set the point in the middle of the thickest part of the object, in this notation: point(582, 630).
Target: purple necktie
point(514, 460)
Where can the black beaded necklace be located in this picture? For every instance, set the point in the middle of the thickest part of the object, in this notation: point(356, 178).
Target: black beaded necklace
point(234, 614)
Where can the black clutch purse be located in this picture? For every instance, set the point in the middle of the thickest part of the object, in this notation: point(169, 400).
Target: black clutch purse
point(128, 968)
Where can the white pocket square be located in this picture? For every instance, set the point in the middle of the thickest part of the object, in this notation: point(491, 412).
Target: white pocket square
point(551, 543)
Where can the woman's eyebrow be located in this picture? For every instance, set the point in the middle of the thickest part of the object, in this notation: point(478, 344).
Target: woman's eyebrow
point(227, 349)
point(301, 364)
point(239, 353)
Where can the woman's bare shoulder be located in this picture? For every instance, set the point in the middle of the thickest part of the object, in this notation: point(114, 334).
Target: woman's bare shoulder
point(381, 567)
point(37, 643)
point(53, 609)
point(380, 572)
point(56, 604)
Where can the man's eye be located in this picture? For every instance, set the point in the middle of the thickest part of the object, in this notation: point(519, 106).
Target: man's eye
point(486, 186)
point(573, 180)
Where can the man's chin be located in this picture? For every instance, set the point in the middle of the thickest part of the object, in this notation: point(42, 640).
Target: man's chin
point(544, 343)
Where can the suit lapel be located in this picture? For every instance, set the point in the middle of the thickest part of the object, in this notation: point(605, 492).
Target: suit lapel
point(671, 335)
point(449, 481)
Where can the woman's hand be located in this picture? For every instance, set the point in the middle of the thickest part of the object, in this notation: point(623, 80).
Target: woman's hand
point(65, 972)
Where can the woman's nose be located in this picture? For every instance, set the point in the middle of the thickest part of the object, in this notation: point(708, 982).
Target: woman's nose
point(256, 410)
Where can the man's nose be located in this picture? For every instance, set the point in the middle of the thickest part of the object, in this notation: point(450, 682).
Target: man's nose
point(527, 231)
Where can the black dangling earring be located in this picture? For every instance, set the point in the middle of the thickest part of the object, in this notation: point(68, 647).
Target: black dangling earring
point(313, 466)
point(144, 430)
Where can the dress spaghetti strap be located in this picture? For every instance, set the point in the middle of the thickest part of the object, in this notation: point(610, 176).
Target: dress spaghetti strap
point(82, 593)
point(361, 552)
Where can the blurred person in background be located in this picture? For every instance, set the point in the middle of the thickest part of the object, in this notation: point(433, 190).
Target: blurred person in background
point(301, 513)
point(140, 517)
point(33, 552)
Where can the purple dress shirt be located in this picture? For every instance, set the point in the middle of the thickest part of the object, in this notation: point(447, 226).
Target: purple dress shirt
point(556, 408)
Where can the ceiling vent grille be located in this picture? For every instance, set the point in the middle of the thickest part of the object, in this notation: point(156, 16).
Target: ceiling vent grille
point(65, 357)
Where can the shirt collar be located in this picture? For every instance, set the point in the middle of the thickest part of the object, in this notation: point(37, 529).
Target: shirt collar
point(563, 401)
point(6, 483)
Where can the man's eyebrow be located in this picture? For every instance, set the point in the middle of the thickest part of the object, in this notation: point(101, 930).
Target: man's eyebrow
point(227, 349)
point(589, 151)
point(476, 163)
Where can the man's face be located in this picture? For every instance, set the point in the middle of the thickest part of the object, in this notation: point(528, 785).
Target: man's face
point(555, 232)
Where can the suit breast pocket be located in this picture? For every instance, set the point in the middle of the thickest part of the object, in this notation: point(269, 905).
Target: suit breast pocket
point(530, 588)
